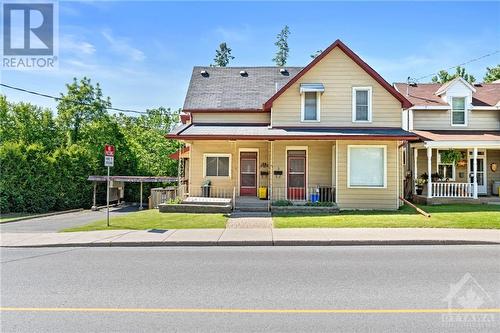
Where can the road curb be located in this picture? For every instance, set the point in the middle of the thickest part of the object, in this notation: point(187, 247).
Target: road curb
point(44, 215)
point(265, 243)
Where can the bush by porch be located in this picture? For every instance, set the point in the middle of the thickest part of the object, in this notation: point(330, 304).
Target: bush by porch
point(442, 216)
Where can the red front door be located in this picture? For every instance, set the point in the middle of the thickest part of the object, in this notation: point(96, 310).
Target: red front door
point(248, 174)
point(296, 175)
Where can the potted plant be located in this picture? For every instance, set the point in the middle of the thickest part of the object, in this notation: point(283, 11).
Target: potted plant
point(419, 185)
point(451, 156)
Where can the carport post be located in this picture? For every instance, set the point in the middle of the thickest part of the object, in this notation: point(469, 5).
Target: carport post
point(140, 205)
point(94, 206)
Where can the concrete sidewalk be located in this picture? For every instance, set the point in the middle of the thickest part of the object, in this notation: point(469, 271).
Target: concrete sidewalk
point(254, 237)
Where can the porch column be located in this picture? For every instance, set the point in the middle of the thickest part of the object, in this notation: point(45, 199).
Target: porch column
point(415, 171)
point(429, 172)
point(474, 172)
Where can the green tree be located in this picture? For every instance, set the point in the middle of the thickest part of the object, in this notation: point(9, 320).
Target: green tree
point(443, 76)
point(81, 104)
point(282, 45)
point(222, 56)
point(492, 74)
point(317, 53)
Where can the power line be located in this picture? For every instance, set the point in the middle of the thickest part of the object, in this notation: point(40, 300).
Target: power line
point(462, 64)
point(59, 98)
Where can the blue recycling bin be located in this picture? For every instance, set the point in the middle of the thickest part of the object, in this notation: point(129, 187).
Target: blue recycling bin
point(314, 197)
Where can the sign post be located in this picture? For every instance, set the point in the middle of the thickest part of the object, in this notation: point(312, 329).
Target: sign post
point(109, 161)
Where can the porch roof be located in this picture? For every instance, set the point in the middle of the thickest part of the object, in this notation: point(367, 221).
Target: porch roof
point(264, 132)
point(460, 139)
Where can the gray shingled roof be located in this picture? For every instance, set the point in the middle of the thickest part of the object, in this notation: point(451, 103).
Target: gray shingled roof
point(225, 88)
point(233, 130)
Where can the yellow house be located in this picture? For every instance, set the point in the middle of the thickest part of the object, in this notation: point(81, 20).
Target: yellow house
point(330, 131)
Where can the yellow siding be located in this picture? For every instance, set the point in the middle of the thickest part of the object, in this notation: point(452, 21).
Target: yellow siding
point(235, 118)
point(372, 198)
point(441, 120)
point(338, 73)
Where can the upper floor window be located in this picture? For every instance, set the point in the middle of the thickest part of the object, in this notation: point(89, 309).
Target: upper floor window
point(362, 104)
point(458, 112)
point(310, 106)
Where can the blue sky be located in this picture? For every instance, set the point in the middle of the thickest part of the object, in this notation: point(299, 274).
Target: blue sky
point(142, 53)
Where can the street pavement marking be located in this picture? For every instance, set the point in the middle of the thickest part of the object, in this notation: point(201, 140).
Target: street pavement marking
point(222, 310)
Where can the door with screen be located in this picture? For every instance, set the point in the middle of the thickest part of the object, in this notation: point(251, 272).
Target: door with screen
point(248, 174)
point(296, 175)
point(480, 170)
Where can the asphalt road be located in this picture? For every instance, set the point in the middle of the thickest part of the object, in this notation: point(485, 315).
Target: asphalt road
point(56, 223)
point(123, 284)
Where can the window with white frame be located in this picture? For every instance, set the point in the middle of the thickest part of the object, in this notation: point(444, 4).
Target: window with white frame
point(458, 116)
point(217, 165)
point(445, 170)
point(362, 104)
point(310, 105)
point(367, 166)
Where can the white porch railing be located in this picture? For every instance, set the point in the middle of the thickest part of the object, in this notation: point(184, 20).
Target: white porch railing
point(452, 190)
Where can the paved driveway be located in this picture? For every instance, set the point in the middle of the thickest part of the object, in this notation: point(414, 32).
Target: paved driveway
point(63, 221)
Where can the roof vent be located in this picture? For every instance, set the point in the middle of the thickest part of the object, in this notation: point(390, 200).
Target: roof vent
point(243, 73)
point(413, 84)
point(204, 73)
point(478, 84)
point(283, 71)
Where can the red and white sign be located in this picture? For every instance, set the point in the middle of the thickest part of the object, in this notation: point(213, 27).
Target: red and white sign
point(109, 150)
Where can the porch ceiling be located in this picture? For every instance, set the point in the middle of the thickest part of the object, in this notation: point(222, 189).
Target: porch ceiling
point(460, 139)
point(264, 132)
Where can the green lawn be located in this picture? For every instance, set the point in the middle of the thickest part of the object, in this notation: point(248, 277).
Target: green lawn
point(443, 216)
point(14, 216)
point(152, 219)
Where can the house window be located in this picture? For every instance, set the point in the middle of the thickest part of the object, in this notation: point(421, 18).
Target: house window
point(445, 170)
point(310, 106)
point(367, 166)
point(458, 111)
point(362, 104)
point(217, 165)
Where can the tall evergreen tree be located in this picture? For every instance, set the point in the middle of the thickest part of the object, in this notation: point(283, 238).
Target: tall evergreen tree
point(492, 74)
point(222, 55)
point(282, 44)
point(443, 76)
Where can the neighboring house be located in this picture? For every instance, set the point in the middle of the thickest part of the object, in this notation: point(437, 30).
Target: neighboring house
point(330, 131)
point(455, 116)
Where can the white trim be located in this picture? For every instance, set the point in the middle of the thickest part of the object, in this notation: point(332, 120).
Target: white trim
point(318, 108)
point(466, 112)
point(349, 167)
point(445, 87)
point(430, 107)
point(354, 90)
point(216, 155)
point(306, 148)
point(336, 169)
point(334, 148)
point(438, 163)
point(461, 144)
point(485, 167)
point(486, 108)
point(398, 185)
point(257, 168)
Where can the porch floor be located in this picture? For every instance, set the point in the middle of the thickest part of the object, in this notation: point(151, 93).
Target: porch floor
point(485, 199)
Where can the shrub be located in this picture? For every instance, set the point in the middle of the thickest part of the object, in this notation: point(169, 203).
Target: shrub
point(282, 203)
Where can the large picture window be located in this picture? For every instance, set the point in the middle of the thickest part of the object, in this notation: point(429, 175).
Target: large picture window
point(458, 111)
point(217, 165)
point(367, 166)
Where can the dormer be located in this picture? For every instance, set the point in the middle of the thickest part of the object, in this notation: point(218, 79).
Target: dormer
point(458, 94)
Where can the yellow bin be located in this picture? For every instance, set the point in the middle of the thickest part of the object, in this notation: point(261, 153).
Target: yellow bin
point(262, 192)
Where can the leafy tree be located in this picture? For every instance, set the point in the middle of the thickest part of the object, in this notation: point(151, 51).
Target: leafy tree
point(317, 53)
point(222, 55)
point(492, 74)
point(282, 45)
point(82, 104)
point(443, 76)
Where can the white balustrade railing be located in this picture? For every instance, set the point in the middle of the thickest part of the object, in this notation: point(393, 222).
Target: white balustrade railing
point(453, 190)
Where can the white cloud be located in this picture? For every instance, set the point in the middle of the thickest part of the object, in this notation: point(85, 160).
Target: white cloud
point(122, 46)
point(71, 44)
point(233, 34)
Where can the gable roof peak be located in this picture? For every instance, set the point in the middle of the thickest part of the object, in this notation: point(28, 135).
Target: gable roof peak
point(448, 84)
point(370, 71)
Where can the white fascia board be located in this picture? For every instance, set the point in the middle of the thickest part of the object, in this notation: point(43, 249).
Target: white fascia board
point(462, 144)
point(427, 107)
point(493, 108)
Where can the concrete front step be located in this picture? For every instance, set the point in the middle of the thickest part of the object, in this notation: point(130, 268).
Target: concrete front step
point(243, 214)
point(251, 209)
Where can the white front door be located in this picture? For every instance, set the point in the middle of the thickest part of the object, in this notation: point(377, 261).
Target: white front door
point(480, 170)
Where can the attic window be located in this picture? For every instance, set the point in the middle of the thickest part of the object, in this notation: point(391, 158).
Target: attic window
point(243, 73)
point(204, 73)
